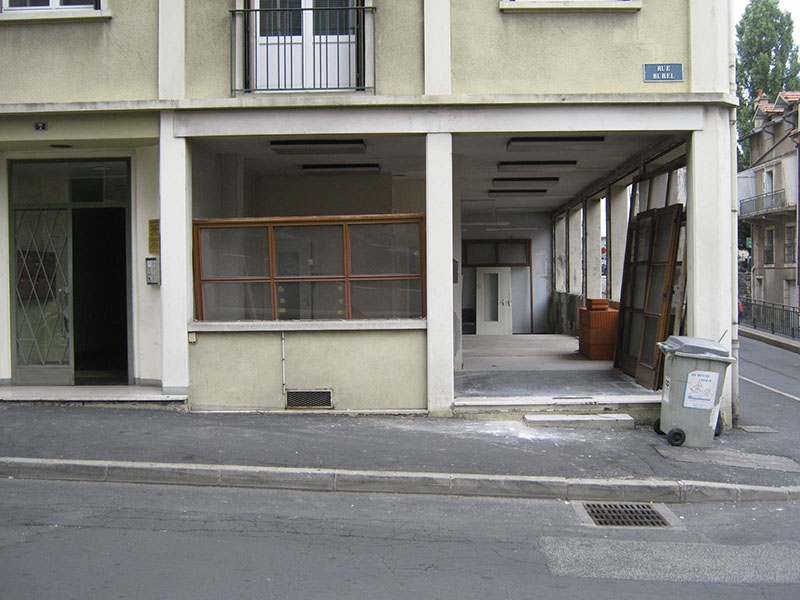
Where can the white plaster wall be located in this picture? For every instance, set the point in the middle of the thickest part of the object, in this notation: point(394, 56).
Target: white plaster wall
point(538, 52)
point(366, 370)
point(208, 62)
point(70, 61)
point(146, 298)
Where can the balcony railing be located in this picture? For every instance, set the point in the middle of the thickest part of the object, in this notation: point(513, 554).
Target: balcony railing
point(303, 49)
point(762, 204)
point(772, 317)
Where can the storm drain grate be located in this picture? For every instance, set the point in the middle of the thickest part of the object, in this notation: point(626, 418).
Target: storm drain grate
point(625, 515)
point(309, 399)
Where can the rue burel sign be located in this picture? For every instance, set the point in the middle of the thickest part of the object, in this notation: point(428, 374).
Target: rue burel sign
point(663, 72)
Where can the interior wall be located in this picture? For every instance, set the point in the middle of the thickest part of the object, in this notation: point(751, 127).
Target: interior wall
point(309, 195)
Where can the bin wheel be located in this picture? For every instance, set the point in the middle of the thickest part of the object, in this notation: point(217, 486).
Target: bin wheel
point(657, 427)
point(676, 437)
point(718, 428)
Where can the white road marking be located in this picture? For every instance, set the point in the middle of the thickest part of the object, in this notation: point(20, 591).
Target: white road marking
point(771, 389)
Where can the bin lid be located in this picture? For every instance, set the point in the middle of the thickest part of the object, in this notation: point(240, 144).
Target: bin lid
point(684, 344)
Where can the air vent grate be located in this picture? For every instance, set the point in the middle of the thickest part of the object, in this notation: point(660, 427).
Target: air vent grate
point(309, 399)
point(625, 515)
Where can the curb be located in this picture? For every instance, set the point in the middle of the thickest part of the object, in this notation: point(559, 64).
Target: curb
point(397, 482)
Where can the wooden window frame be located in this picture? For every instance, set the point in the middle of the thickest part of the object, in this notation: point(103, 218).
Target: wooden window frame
point(273, 279)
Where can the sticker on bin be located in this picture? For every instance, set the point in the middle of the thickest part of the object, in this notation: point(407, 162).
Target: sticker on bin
point(701, 390)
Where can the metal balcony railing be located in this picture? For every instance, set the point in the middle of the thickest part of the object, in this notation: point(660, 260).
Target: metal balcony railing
point(764, 203)
point(303, 49)
point(772, 317)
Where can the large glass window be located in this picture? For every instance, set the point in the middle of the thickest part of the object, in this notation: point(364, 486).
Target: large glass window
point(51, 3)
point(769, 246)
point(325, 268)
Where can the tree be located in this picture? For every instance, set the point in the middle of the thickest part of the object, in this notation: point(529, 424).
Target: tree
point(766, 60)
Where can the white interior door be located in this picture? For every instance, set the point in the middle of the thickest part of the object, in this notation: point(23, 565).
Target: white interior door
point(493, 301)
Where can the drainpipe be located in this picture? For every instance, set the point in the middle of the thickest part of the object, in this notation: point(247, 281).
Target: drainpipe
point(732, 54)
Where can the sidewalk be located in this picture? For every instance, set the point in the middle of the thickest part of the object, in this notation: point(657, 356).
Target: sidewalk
point(333, 452)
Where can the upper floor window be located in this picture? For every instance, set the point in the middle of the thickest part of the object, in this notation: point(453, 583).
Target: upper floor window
point(769, 246)
point(70, 10)
point(51, 4)
point(789, 246)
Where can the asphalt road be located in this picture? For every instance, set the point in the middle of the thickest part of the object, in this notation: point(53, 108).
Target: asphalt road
point(83, 540)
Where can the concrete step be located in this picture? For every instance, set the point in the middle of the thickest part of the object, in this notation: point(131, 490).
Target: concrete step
point(593, 421)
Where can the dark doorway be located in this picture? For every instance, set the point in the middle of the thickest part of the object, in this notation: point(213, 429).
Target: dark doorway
point(99, 280)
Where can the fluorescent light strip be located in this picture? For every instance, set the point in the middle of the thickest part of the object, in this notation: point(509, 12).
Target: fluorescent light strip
point(342, 167)
point(536, 165)
point(521, 193)
point(516, 181)
point(318, 146)
point(532, 143)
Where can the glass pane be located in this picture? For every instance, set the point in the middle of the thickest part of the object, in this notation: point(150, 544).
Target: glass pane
point(512, 254)
point(635, 335)
point(383, 249)
point(657, 275)
point(36, 183)
point(235, 252)
point(481, 254)
point(42, 291)
point(649, 341)
point(397, 299)
point(643, 238)
point(490, 297)
point(280, 22)
point(639, 286)
point(237, 302)
point(309, 251)
point(311, 300)
point(77, 2)
point(332, 22)
point(663, 230)
point(27, 3)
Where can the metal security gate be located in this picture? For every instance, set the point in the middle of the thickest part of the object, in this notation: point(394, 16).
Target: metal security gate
point(41, 290)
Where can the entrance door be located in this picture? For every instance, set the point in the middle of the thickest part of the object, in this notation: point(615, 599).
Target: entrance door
point(306, 44)
point(70, 271)
point(493, 301)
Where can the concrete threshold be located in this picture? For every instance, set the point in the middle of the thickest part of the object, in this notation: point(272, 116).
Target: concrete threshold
point(88, 393)
point(596, 421)
point(349, 480)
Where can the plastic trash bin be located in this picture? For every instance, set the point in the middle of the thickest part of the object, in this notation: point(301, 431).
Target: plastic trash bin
point(694, 376)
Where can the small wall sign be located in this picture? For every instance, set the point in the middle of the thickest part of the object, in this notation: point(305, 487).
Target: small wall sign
point(662, 72)
point(153, 236)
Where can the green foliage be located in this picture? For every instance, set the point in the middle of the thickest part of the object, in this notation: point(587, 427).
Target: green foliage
point(766, 57)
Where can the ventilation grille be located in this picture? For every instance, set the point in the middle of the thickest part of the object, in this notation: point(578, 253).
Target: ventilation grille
point(309, 399)
point(625, 515)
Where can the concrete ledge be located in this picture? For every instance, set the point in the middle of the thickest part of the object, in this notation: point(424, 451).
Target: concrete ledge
point(785, 343)
point(597, 421)
point(344, 480)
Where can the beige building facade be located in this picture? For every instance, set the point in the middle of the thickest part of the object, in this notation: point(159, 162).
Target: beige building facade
point(272, 204)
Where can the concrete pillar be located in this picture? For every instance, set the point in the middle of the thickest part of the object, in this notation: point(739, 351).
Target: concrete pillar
point(175, 207)
point(709, 239)
point(592, 248)
point(171, 49)
point(575, 251)
point(436, 16)
point(616, 238)
point(560, 253)
point(6, 289)
point(439, 261)
point(458, 354)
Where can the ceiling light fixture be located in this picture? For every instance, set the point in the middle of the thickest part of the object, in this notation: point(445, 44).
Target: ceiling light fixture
point(531, 165)
point(504, 182)
point(343, 167)
point(524, 144)
point(515, 193)
point(318, 146)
